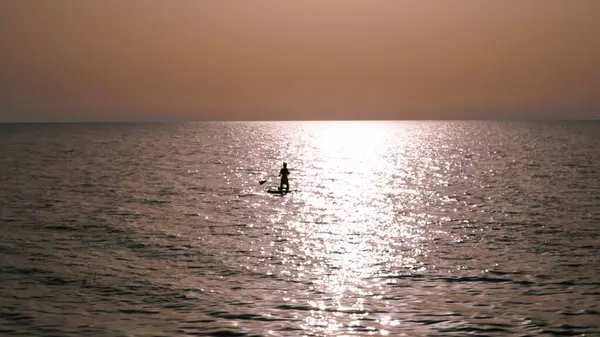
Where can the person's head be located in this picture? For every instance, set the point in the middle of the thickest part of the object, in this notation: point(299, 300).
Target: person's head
point(284, 164)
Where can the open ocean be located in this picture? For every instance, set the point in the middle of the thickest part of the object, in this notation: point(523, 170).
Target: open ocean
point(393, 228)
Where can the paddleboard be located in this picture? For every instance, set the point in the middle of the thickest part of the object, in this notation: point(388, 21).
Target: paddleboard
point(278, 191)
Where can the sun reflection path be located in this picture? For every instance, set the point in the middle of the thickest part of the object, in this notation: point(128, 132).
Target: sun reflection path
point(348, 230)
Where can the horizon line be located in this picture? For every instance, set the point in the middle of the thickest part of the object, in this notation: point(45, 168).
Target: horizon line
point(181, 121)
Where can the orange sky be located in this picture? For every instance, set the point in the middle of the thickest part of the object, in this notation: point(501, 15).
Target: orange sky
point(315, 59)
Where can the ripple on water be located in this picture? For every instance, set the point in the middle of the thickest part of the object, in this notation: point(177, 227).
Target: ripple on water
point(399, 228)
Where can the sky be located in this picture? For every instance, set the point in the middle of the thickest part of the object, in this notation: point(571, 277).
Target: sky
point(73, 60)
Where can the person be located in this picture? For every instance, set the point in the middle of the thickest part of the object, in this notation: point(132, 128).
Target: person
point(283, 173)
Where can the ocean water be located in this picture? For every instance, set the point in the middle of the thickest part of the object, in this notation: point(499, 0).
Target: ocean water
point(392, 228)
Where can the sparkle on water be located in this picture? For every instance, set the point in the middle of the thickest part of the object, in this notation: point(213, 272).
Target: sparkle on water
point(416, 228)
point(350, 244)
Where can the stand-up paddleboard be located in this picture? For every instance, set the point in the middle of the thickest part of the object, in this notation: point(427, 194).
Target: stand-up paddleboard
point(278, 191)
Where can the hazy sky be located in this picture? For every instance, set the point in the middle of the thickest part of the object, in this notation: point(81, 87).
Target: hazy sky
point(305, 59)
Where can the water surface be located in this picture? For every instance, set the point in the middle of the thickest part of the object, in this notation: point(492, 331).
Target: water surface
point(395, 228)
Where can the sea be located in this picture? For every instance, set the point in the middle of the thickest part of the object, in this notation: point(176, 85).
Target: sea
point(411, 228)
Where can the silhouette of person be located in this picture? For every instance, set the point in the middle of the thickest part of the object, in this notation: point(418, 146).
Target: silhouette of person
point(283, 173)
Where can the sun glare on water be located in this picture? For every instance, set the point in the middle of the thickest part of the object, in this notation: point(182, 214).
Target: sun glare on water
point(348, 224)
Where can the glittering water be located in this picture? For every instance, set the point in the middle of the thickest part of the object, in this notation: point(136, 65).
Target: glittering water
point(408, 228)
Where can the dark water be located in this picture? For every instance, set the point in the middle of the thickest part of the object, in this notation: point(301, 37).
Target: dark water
point(404, 229)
